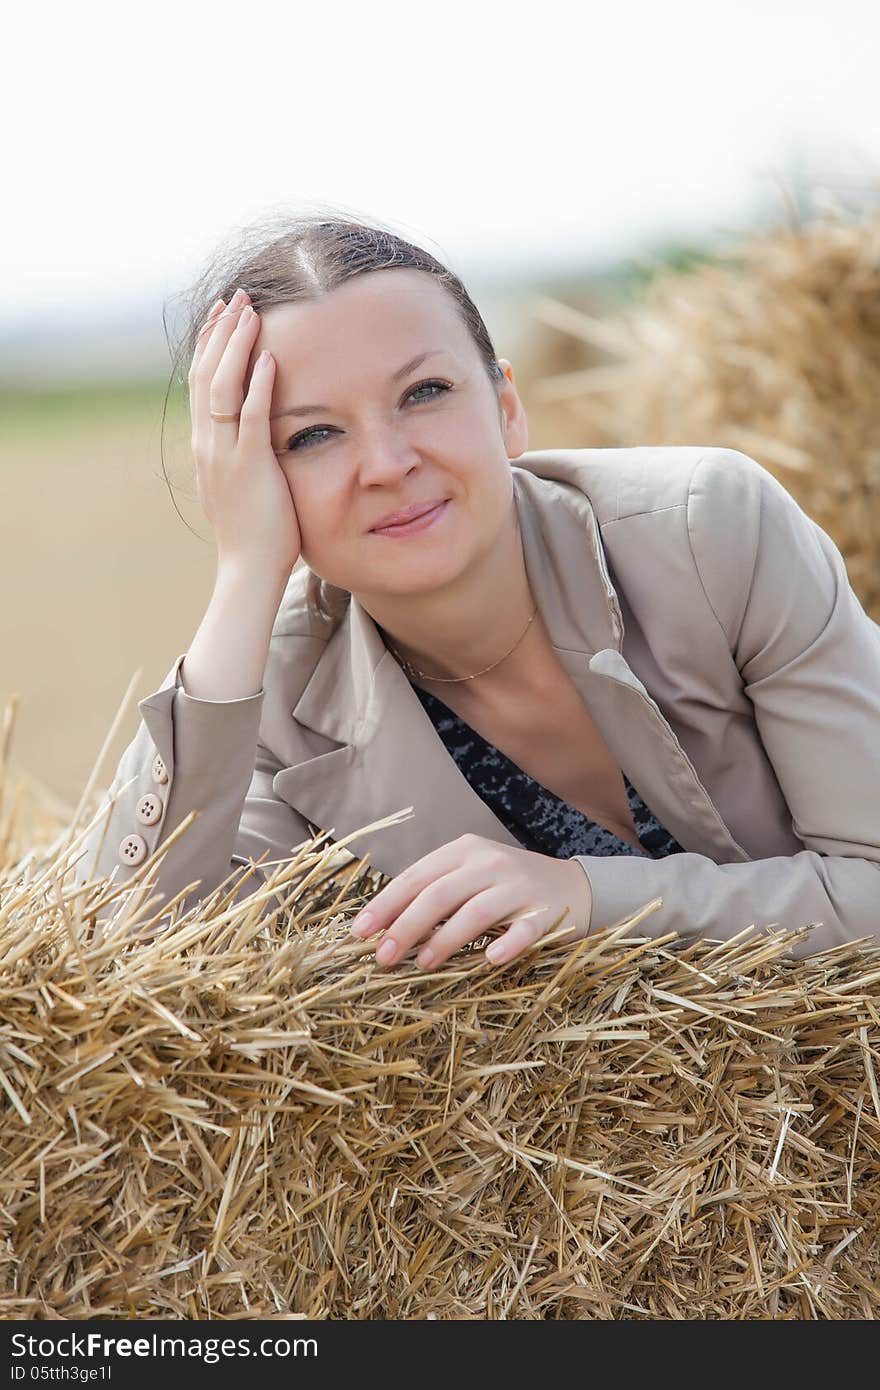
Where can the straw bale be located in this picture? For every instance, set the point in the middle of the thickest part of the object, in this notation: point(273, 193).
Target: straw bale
point(770, 345)
point(231, 1115)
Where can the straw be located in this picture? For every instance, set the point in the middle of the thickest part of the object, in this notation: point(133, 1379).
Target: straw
point(242, 1117)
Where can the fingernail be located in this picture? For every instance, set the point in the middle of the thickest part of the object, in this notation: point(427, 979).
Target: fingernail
point(361, 923)
point(495, 951)
point(426, 957)
point(386, 952)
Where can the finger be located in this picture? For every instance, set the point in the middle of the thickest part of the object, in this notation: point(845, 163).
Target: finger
point(201, 374)
point(397, 895)
point(205, 332)
point(434, 904)
point(254, 426)
point(475, 917)
point(192, 379)
point(226, 394)
point(523, 932)
point(221, 318)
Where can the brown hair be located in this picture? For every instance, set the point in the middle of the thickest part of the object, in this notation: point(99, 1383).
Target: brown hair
point(290, 259)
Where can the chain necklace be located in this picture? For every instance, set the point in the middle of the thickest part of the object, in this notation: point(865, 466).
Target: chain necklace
point(412, 671)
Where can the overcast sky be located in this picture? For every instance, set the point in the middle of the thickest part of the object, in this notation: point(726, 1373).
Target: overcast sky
point(501, 136)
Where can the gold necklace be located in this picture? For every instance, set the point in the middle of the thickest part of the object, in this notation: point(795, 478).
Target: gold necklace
point(413, 671)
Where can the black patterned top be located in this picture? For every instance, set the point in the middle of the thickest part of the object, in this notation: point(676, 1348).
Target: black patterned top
point(539, 819)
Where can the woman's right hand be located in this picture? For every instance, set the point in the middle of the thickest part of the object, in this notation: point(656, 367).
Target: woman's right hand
point(241, 485)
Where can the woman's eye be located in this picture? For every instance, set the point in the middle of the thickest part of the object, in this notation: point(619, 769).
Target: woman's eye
point(297, 440)
point(423, 385)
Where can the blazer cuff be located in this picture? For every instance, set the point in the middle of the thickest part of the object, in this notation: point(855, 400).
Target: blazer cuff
point(618, 892)
point(207, 734)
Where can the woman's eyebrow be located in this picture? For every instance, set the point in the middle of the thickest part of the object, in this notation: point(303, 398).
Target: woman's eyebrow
point(401, 372)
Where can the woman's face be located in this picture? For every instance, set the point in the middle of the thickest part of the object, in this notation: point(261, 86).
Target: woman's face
point(382, 440)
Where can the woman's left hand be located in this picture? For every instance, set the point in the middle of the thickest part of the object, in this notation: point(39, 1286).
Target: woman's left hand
point(471, 884)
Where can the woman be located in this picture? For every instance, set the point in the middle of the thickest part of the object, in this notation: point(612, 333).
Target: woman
point(599, 677)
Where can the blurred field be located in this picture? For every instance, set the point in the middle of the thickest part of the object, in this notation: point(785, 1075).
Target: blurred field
point(100, 574)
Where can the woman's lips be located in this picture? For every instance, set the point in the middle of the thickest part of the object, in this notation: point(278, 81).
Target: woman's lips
point(410, 528)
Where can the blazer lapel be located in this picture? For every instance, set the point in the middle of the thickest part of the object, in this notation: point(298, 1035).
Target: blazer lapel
point(390, 757)
point(568, 573)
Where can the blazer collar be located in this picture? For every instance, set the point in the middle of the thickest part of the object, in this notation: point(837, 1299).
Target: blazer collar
point(390, 758)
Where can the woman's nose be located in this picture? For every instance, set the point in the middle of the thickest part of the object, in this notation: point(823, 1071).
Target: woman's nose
point(383, 454)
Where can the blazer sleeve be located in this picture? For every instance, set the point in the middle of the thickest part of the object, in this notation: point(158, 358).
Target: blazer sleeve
point(193, 754)
point(809, 658)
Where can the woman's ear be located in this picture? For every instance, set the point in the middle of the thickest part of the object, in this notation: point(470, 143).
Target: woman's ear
point(512, 415)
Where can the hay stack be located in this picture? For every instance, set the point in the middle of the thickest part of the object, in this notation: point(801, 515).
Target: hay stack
point(771, 347)
point(225, 1117)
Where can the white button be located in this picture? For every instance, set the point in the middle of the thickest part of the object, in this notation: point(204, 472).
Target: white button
point(160, 771)
point(133, 849)
point(149, 809)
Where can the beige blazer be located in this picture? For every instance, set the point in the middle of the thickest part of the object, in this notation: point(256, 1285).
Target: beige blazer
point(710, 628)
